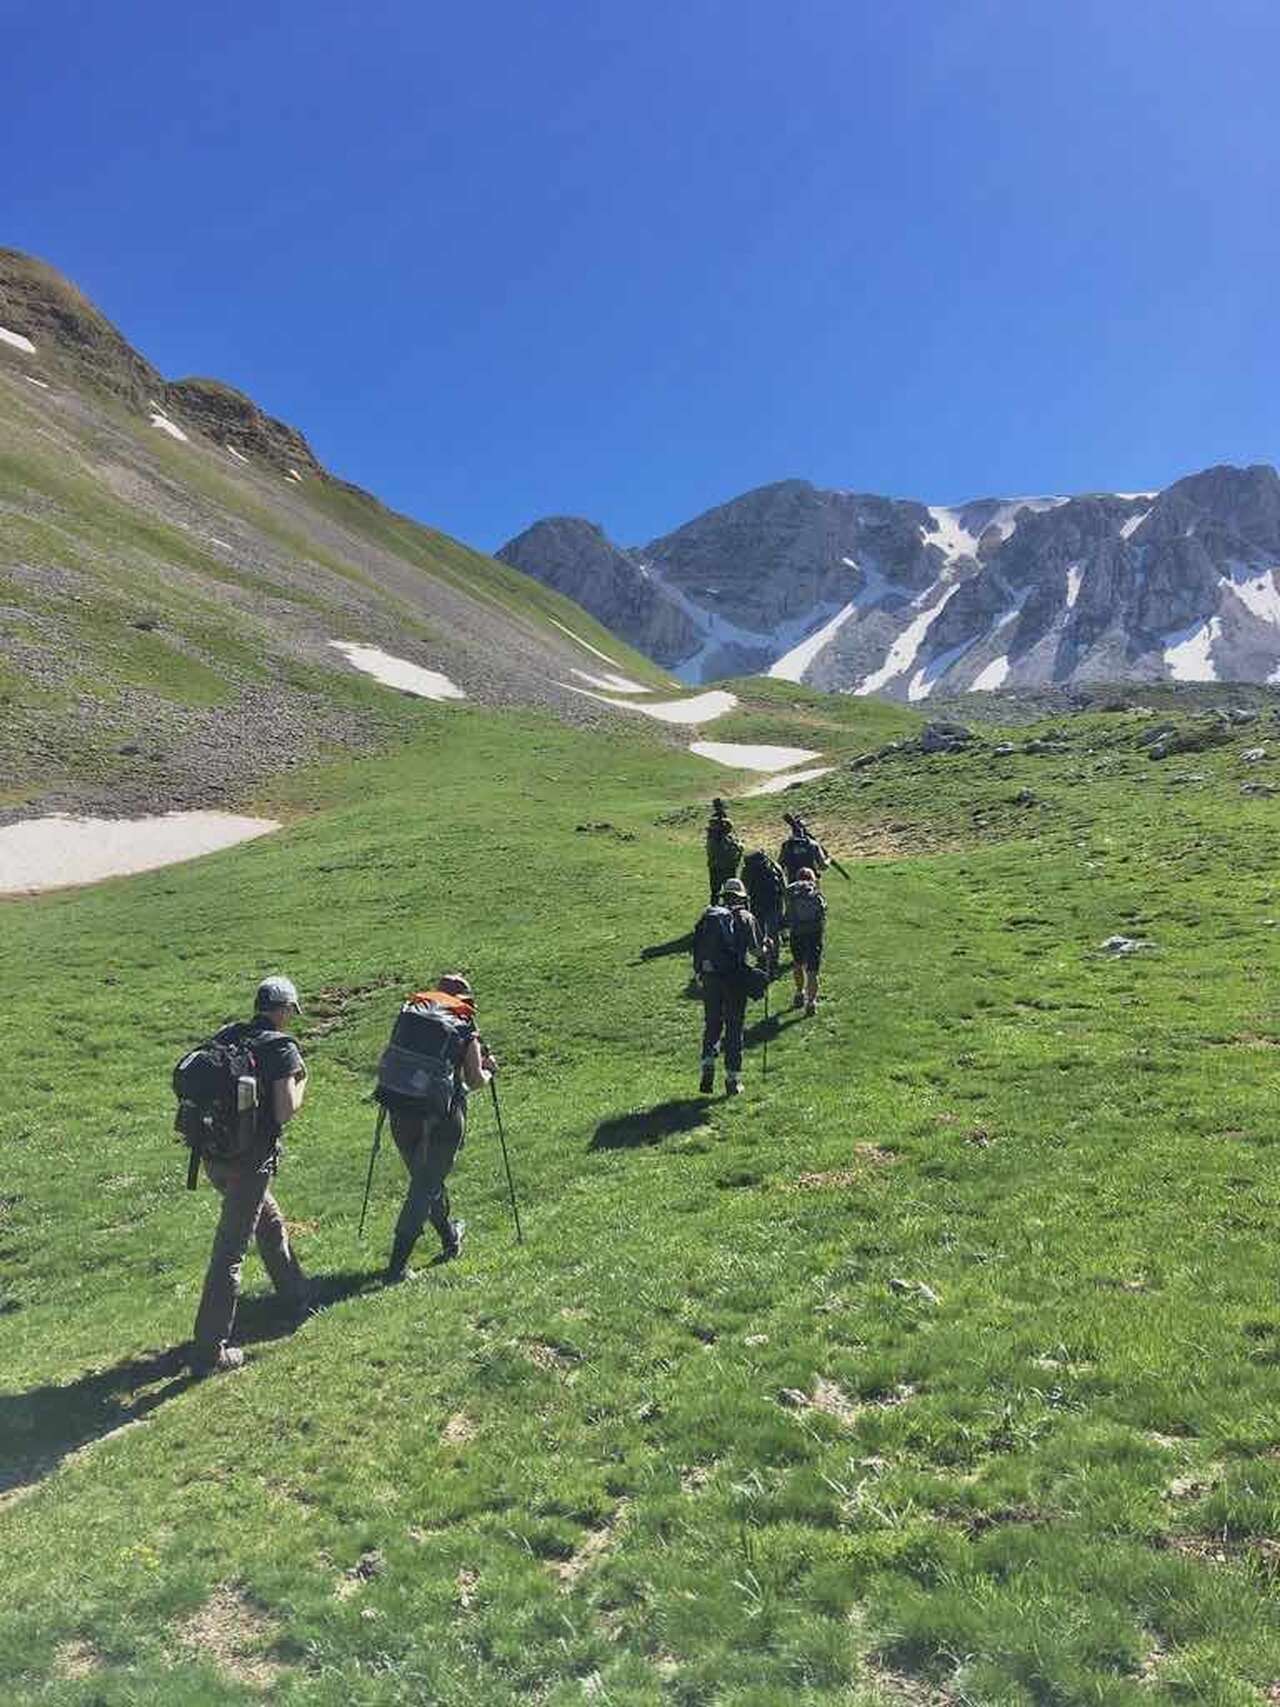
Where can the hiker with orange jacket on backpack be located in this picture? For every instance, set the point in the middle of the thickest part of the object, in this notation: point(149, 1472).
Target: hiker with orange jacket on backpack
point(434, 1059)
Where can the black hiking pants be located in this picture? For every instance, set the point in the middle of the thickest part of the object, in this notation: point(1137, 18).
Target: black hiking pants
point(428, 1149)
point(724, 1008)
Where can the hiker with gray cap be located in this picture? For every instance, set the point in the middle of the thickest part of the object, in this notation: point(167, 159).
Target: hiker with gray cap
point(273, 1088)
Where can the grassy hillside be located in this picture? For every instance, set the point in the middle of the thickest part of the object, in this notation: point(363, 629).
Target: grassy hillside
point(940, 1367)
point(167, 610)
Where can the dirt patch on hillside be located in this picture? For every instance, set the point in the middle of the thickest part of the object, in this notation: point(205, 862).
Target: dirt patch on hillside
point(76, 1659)
point(233, 1632)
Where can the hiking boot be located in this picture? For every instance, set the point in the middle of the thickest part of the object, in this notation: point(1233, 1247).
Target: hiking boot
point(733, 1085)
point(228, 1358)
point(797, 1000)
point(810, 1008)
point(451, 1241)
point(707, 1083)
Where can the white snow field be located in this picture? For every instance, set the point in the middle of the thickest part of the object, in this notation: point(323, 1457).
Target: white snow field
point(994, 676)
point(748, 756)
point(17, 340)
point(161, 420)
point(702, 708)
point(792, 665)
point(784, 779)
point(52, 853)
point(902, 654)
point(1256, 590)
point(1188, 652)
point(398, 672)
point(611, 684)
point(238, 454)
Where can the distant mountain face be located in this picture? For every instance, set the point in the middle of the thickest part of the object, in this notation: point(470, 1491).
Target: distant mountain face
point(867, 594)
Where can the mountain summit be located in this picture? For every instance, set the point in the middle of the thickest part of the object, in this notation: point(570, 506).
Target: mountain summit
point(868, 594)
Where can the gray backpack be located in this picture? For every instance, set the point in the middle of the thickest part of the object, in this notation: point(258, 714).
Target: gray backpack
point(420, 1071)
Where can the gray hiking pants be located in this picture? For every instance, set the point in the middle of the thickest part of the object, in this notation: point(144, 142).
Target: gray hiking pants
point(428, 1149)
point(248, 1211)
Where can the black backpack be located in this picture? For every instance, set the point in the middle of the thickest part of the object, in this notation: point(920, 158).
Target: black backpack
point(764, 880)
point(420, 1069)
point(798, 852)
point(219, 1092)
point(719, 949)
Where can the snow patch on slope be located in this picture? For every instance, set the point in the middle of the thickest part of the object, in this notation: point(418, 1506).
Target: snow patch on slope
point(749, 756)
point(1256, 590)
point(17, 340)
point(238, 454)
point(399, 673)
point(904, 650)
point(611, 684)
point(702, 708)
point(51, 853)
point(792, 665)
point(1075, 575)
point(994, 676)
point(581, 642)
point(161, 420)
point(1187, 652)
point(1133, 524)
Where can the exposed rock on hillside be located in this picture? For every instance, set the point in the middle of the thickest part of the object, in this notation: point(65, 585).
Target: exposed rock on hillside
point(871, 594)
point(223, 413)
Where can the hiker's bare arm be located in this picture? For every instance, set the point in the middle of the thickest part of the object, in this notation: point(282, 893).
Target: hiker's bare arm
point(477, 1065)
point(287, 1095)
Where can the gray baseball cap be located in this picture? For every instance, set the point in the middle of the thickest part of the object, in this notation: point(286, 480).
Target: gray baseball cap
point(277, 991)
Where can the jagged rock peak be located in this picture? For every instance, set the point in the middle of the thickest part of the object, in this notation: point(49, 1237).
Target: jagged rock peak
point(868, 594)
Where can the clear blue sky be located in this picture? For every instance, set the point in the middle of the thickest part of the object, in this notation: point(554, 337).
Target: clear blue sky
point(625, 261)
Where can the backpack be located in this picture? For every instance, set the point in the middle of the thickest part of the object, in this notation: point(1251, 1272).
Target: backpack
point(805, 907)
point(765, 882)
point(419, 1072)
point(718, 945)
point(799, 851)
point(219, 1094)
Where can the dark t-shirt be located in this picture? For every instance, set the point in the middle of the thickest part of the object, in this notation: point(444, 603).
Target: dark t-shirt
point(278, 1057)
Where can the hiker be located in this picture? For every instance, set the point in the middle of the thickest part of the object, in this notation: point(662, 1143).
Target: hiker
point(722, 939)
point(249, 1211)
point(441, 1058)
point(802, 848)
point(724, 850)
point(766, 892)
point(807, 922)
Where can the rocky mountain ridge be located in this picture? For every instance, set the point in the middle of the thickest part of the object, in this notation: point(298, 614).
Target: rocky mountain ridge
point(866, 594)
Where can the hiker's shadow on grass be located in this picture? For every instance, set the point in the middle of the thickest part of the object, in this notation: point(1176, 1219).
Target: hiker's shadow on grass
point(39, 1428)
point(42, 1427)
point(771, 1027)
point(660, 950)
point(266, 1317)
point(649, 1125)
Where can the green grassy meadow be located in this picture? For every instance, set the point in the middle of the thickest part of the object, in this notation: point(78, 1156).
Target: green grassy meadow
point(939, 1368)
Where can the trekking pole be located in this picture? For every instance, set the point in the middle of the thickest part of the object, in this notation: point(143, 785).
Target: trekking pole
point(373, 1156)
point(506, 1160)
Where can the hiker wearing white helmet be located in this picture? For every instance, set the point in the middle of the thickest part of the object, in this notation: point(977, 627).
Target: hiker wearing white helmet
point(722, 940)
point(249, 1211)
